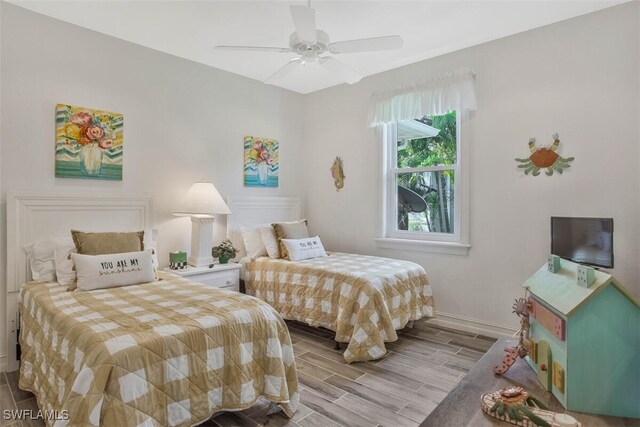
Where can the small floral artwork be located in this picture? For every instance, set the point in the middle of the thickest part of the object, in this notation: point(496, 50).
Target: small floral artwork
point(88, 143)
point(261, 163)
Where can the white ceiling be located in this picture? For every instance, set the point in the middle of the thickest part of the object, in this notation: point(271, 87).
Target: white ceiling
point(190, 29)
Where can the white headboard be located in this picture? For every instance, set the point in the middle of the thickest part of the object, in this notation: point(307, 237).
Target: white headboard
point(258, 210)
point(35, 217)
point(32, 217)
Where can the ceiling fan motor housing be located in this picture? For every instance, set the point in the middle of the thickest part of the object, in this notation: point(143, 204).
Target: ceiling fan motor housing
point(302, 47)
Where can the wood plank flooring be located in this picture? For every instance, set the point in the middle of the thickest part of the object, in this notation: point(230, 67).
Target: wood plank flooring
point(400, 390)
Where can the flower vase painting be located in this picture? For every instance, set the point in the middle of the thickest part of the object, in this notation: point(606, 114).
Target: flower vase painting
point(88, 143)
point(261, 164)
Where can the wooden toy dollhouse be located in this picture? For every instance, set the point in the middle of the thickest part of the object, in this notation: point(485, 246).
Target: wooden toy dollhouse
point(585, 340)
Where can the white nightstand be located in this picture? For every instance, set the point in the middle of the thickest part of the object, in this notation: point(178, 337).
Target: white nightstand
point(225, 276)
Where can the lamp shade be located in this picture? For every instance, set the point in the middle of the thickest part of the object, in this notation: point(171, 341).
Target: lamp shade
point(203, 200)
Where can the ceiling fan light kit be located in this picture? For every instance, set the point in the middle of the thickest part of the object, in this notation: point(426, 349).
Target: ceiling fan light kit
point(320, 44)
point(310, 43)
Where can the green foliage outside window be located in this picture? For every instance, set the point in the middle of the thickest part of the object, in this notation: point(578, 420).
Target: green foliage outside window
point(436, 187)
point(439, 150)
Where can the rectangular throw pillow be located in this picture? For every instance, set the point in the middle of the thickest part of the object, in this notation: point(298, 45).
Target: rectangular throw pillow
point(290, 230)
point(41, 260)
point(252, 239)
point(62, 250)
point(299, 249)
point(107, 243)
point(113, 270)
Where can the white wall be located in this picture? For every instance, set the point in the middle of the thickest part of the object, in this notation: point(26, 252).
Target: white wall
point(183, 121)
point(2, 229)
point(579, 78)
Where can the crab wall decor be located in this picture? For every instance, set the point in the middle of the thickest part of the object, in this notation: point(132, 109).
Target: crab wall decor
point(544, 157)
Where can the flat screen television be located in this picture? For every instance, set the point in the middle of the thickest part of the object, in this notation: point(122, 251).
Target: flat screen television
point(583, 240)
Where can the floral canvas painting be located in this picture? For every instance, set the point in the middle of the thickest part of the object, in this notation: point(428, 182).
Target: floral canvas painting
point(88, 143)
point(261, 164)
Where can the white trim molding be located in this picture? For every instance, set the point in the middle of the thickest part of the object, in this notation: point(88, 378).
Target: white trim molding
point(472, 325)
point(447, 248)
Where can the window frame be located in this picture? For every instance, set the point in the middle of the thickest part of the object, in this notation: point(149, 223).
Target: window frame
point(456, 243)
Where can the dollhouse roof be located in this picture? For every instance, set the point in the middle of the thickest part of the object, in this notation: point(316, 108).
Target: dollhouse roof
point(561, 289)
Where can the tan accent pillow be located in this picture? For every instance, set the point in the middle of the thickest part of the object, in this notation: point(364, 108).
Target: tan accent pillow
point(289, 230)
point(107, 243)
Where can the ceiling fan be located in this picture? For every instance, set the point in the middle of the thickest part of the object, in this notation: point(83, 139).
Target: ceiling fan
point(312, 45)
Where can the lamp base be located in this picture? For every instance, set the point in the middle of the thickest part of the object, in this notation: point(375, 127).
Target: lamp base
point(201, 242)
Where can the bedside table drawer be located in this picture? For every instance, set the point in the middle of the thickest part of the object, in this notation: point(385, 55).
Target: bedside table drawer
point(225, 276)
point(222, 279)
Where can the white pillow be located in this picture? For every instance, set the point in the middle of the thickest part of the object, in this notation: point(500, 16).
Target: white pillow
point(270, 241)
point(65, 272)
point(151, 242)
point(62, 249)
point(41, 260)
point(307, 248)
point(109, 271)
point(152, 245)
point(252, 238)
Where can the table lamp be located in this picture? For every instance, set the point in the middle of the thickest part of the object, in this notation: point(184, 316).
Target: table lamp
point(201, 203)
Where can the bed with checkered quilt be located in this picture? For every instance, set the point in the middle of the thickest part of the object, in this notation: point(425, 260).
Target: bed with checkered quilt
point(363, 299)
point(167, 353)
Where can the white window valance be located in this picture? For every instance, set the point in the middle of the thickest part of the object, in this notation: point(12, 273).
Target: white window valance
point(436, 96)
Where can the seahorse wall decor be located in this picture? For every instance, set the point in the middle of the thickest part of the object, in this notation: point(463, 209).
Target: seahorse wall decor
point(544, 157)
point(337, 172)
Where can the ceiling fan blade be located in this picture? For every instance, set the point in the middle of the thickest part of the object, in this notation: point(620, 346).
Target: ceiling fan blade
point(284, 71)
point(304, 19)
point(335, 66)
point(253, 49)
point(366, 45)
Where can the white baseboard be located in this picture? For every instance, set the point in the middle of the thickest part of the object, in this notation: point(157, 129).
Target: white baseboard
point(3, 362)
point(472, 325)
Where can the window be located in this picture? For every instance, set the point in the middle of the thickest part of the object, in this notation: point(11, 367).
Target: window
point(425, 199)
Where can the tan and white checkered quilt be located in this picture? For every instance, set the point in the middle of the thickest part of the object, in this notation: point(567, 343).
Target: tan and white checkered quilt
point(167, 353)
point(364, 299)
